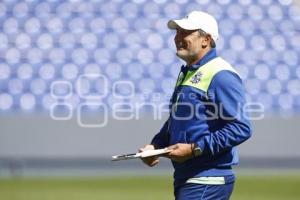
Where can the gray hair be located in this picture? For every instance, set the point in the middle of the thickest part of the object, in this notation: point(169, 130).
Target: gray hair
point(204, 34)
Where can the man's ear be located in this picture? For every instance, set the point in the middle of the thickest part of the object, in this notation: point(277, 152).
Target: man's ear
point(206, 41)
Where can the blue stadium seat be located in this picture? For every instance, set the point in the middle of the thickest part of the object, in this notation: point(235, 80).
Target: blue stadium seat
point(43, 42)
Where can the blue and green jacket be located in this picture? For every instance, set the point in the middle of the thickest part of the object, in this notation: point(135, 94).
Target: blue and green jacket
point(207, 108)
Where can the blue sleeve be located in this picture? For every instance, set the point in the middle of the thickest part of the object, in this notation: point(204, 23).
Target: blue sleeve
point(227, 92)
point(161, 139)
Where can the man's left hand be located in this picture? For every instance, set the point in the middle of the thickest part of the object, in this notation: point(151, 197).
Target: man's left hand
point(180, 152)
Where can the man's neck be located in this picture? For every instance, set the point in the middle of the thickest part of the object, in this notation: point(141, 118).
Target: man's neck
point(198, 57)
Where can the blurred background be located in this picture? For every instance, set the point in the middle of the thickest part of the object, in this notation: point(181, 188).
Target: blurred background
point(81, 81)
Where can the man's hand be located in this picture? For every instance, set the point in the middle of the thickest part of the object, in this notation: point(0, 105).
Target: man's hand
point(180, 152)
point(150, 161)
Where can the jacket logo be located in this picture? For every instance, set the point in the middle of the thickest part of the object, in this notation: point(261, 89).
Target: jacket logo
point(197, 77)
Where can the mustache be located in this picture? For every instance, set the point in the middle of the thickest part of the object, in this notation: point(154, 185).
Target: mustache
point(180, 44)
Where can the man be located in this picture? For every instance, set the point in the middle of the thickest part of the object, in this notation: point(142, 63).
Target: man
point(207, 120)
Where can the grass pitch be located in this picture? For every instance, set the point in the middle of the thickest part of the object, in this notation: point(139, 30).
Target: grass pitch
point(137, 188)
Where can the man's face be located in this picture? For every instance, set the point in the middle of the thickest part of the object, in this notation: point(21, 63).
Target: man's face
point(188, 44)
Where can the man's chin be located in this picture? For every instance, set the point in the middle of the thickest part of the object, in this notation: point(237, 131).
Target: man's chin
point(181, 54)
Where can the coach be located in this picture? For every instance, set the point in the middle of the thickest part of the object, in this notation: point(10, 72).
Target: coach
point(207, 120)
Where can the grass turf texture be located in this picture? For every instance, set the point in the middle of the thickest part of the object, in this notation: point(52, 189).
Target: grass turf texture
point(136, 188)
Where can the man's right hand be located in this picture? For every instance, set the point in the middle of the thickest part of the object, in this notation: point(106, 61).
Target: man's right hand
point(150, 161)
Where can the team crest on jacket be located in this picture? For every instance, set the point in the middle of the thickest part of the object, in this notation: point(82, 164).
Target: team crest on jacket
point(197, 77)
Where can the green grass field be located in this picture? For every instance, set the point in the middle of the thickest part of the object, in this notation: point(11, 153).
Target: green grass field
point(137, 188)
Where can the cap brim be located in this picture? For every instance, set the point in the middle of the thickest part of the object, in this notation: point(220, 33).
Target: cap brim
point(172, 24)
point(181, 23)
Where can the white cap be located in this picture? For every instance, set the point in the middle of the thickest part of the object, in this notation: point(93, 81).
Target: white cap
point(197, 20)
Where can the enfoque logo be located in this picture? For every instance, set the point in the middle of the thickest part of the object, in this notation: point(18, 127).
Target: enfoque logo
point(91, 101)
